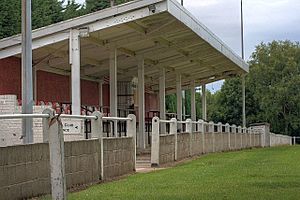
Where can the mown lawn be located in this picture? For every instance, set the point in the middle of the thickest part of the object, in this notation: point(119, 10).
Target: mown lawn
point(272, 173)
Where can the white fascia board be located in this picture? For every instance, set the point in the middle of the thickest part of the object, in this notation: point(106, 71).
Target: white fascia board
point(95, 21)
point(79, 21)
point(179, 12)
point(38, 43)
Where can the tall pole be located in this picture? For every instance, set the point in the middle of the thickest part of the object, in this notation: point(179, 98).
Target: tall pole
point(243, 76)
point(27, 90)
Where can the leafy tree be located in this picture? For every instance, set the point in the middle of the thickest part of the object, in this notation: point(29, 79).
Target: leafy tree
point(274, 79)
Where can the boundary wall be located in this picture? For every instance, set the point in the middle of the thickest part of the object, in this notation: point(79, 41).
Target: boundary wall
point(29, 170)
point(207, 138)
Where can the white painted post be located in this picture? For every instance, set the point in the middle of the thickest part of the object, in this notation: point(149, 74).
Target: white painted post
point(97, 132)
point(100, 85)
point(173, 130)
point(212, 131)
point(227, 130)
point(234, 131)
point(240, 131)
point(189, 129)
point(179, 100)
point(45, 122)
point(204, 108)
point(250, 136)
point(57, 162)
point(74, 51)
point(141, 93)
point(131, 132)
point(155, 142)
point(193, 104)
point(201, 129)
point(113, 86)
point(162, 98)
point(219, 132)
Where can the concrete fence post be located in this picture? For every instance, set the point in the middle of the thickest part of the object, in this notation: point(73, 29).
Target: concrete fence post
point(211, 129)
point(57, 162)
point(131, 132)
point(219, 132)
point(97, 132)
point(45, 122)
point(235, 139)
point(155, 142)
point(173, 130)
point(201, 129)
point(189, 129)
point(240, 131)
point(250, 136)
point(227, 130)
point(294, 138)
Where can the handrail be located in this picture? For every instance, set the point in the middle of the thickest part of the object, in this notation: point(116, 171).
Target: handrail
point(117, 118)
point(21, 116)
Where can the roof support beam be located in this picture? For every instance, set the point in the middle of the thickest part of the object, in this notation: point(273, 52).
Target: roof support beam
point(162, 98)
point(75, 71)
point(113, 86)
point(179, 100)
point(193, 103)
point(141, 101)
point(204, 106)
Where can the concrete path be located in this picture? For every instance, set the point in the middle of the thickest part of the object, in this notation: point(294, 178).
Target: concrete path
point(143, 163)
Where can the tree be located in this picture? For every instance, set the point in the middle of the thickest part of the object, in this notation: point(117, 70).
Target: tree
point(72, 10)
point(272, 90)
point(275, 78)
point(44, 12)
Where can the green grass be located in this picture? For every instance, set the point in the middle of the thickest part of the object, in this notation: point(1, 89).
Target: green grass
point(272, 173)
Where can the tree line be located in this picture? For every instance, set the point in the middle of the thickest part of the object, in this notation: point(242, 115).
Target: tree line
point(272, 91)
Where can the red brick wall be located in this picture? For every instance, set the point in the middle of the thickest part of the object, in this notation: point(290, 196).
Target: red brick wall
point(10, 76)
point(53, 87)
point(56, 88)
point(89, 93)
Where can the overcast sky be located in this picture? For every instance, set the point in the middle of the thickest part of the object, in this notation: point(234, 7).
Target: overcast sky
point(265, 20)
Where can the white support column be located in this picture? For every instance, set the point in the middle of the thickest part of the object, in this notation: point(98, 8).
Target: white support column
point(74, 51)
point(179, 100)
point(35, 84)
point(204, 107)
point(162, 98)
point(193, 104)
point(183, 105)
point(113, 83)
point(100, 85)
point(141, 94)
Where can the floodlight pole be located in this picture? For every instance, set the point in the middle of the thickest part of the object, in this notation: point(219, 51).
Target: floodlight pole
point(243, 76)
point(27, 90)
